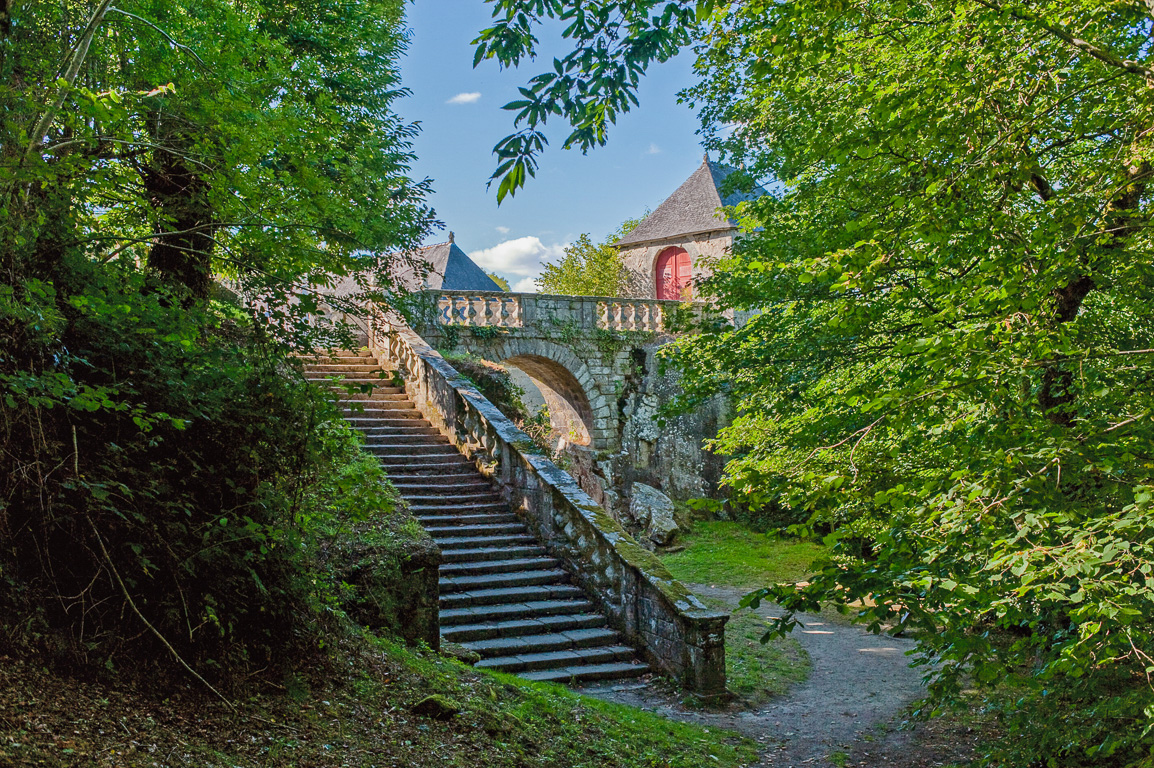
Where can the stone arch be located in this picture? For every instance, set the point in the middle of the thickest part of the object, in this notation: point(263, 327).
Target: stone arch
point(570, 390)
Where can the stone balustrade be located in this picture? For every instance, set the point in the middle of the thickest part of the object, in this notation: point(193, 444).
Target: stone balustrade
point(518, 310)
point(675, 631)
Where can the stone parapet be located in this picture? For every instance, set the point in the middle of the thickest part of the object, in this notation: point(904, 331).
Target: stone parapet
point(677, 633)
point(520, 310)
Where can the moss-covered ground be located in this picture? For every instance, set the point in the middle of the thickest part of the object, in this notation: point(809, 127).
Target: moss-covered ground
point(726, 552)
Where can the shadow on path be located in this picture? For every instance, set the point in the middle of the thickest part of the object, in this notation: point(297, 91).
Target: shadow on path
point(858, 682)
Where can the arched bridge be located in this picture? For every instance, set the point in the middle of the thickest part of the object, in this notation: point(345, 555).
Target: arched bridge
point(578, 351)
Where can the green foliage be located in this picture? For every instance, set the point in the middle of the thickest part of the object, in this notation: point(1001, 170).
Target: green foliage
point(166, 475)
point(500, 281)
point(588, 269)
point(950, 372)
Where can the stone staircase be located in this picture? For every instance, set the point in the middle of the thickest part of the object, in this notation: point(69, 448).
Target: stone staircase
point(501, 594)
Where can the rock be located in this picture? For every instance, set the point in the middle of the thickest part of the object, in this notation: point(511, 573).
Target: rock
point(436, 708)
point(460, 652)
point(653, 510)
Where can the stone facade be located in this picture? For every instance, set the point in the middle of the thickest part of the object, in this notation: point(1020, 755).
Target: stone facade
point(641, 259)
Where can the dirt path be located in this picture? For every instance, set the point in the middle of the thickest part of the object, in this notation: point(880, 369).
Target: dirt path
point(858, 684)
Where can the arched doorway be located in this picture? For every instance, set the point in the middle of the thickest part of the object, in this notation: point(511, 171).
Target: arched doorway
point(674, 273)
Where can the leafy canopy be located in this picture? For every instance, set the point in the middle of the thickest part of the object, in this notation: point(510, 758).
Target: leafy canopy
point(588, 269)
point(950, 370)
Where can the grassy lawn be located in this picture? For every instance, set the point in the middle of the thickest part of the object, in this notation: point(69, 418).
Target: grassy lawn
point(725, 553)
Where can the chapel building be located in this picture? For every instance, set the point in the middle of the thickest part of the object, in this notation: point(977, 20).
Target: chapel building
point(672, 248)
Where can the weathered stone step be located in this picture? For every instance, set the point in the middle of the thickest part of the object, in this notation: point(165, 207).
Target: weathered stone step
point(451, 584)
point(483, 554)
point(396, 439)
point(432, 486)
point(373, 380)
point(478, 542)
point(376, 396)
point(588, 672)
point(449, 478)
point(503, 595)
point(388, 409)
point(343, 367)
point(527, 662)
point(447, 509)
point(464, 500)
point(387, 422)
point(439, 532)
point(518, 645)
point(383, 427)
point(499, 566)
point(487, 630)
point(441, 520)
point(407, 451)
point(481, 614)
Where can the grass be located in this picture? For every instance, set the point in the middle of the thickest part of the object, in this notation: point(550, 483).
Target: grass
point(755, 671)
point(724, 552)
point(352, 707)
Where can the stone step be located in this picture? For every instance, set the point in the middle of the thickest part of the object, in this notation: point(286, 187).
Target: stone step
point(387, 409)
point(423, 466)
point(388, 422)
point(502, 595)
point(449, 478)
point(433, 486)
point(402, 439)
point(407, 451)
point(588, 672)
point(373, 380)
point(384, 427)
point(439, 532)
point(464, 499)
point(487, 630)
point(478, 542)
point(343, 367)
point(499, 566)
point(440, 520)
point(447, 509)
point(518, 645)
point(376, 396)
point(528, 662)
point(486, 554)
point(482, 614)
point(450, 584)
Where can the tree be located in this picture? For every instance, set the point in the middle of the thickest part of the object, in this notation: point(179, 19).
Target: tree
point(500, 281)
point(950, 370)
point(157, 457)
point(587, 269)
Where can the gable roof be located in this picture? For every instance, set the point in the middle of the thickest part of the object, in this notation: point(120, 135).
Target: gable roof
point(450, 269)
point(692, 208)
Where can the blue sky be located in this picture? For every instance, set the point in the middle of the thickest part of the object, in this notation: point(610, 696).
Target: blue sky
point(650, 152)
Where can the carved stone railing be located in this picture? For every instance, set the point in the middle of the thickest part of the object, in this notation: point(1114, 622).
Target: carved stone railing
point(676, 632)
point(518, 310)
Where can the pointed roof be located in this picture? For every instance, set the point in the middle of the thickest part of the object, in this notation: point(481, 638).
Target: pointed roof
point(692, 209)
point(450, 269)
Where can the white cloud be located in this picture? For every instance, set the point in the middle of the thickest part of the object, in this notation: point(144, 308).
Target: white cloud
point(519, 259)
point(465, 98)
point(653, 149)
point(503, 230)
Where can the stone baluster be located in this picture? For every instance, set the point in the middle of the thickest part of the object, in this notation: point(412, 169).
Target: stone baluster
point(618, 309)
point(511, 311)
point(444, 309)
point(471, 310)
point(602, 314)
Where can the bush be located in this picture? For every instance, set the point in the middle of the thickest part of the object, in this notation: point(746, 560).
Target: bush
point(167, 476)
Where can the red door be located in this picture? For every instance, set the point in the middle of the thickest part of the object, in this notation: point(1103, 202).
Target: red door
point(674, 271)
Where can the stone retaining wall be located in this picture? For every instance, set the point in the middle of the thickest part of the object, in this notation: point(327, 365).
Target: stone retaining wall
point(675, 631)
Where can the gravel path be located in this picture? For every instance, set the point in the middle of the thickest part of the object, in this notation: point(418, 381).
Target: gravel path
point(858, 681)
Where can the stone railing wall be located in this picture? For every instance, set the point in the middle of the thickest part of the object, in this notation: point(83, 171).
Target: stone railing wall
point(678, 634)
point(519, 310)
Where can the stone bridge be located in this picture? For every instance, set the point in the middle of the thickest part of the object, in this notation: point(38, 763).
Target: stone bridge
point(582, 353)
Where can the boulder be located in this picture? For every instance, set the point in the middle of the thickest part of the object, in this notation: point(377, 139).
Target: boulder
point(653, 511)
point(436, 708)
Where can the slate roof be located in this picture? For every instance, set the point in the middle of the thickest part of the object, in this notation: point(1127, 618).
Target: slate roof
point(692, 209)
point(450, 269)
